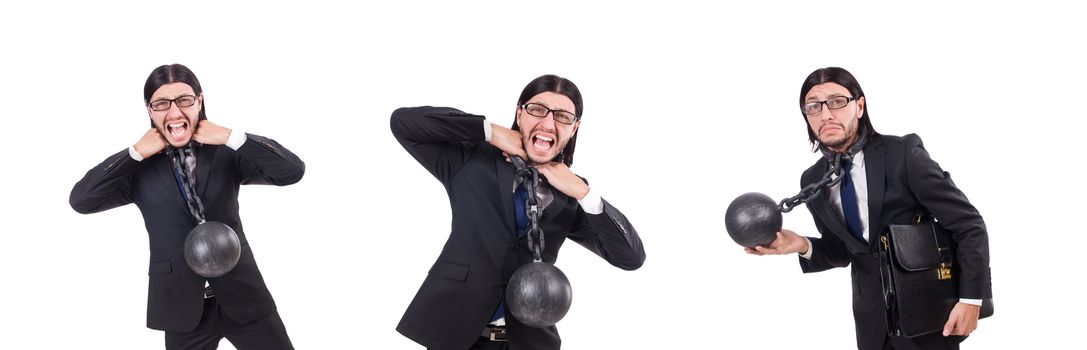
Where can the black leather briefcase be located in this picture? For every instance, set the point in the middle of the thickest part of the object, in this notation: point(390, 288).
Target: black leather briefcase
point(920, 284)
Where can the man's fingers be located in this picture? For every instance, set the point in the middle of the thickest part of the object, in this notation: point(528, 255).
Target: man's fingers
point(964, 327)
point(765, 250)
point(949, 326)
point(779, 238)
point(545, 169)
point(960, 328)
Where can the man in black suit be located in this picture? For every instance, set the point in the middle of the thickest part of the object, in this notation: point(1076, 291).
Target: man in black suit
point(461, 303)
point(889, 180)
point(195, 312)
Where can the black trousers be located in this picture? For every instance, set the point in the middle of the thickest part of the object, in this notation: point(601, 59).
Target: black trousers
point(265, 333)
point(934, 341)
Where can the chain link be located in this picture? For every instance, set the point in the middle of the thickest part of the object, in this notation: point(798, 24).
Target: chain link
point(530, 179)
point(832, 177)
point(180, 162)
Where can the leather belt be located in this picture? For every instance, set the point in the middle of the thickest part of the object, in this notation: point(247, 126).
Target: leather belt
point(494, 333)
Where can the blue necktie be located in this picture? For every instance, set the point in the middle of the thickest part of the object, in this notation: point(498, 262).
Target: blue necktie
point(849, 202)
point(520, 219)
point(520, 223)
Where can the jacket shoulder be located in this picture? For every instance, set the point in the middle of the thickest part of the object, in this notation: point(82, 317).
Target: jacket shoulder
point(897, 142)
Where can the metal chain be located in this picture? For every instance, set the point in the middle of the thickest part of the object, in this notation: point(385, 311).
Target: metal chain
point(832, 177)
point(834, 171)
point(188, 182)
point(530, 179)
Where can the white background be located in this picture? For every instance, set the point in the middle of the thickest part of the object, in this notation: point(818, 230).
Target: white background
point(687, 106)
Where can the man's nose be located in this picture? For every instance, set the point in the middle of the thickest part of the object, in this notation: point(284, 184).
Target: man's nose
point(549, 120)
point(174, 110)
point(825, 114)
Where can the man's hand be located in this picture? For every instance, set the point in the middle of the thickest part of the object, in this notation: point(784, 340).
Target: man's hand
point(563, 179)
point(787, 242)
point(209, 133)
point(508, 141)
point(150, 144)
point(963, 319)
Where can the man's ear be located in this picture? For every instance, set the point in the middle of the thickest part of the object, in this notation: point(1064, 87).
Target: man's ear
point(517, 117)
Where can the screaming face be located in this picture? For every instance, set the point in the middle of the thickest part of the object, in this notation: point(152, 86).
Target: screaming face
point(174, 110)
point(543, 137)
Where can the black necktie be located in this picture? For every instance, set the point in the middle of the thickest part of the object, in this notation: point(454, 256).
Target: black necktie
point(849, 202)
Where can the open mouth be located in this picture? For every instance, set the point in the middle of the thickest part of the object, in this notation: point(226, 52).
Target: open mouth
point(177, 128)
point(542, 142)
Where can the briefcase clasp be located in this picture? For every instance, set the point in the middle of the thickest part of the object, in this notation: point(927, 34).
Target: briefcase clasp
point(944, 271)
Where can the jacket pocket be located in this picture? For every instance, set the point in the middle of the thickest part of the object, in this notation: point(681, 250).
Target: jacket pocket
point(450, 270)
point(160, 267)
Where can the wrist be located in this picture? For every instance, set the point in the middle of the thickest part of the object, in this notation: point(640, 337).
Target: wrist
point(805, 249)
point(224, 135)
point(136, 155)
point(583, 192)
point(142, 150)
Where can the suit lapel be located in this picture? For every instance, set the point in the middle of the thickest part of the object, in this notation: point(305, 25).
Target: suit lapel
point(832, 218)
point(875, 161)
point(165, 168)
point(836, 225)
point(204, 159)
point(559, 202)
point(505, 191)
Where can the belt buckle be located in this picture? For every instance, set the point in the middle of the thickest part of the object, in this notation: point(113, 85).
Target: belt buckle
point(496, 334)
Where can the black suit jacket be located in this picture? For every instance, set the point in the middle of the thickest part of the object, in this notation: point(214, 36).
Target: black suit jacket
point(175, 293)
point(902, 179)
point(466, 283)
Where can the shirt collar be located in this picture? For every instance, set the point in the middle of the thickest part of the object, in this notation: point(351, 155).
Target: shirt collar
point(858, 159)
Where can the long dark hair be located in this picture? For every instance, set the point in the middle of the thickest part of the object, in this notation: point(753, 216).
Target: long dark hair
point(171, 73)
point(559, 85)
point(845, 79)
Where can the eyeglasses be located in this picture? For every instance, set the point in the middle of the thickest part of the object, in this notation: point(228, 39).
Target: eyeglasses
point(539, 110)
point(181, 101)
point(812, 108)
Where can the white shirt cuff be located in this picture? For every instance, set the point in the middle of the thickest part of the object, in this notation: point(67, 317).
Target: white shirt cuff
point(135, 155)
point(236, 139)
point(970, 301)
point(486, 130)
point(810, 248)
point(592, 203)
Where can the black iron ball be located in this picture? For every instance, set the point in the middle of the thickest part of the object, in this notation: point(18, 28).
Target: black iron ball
point(538, 294)
point(753, 219)
point(212, 249)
